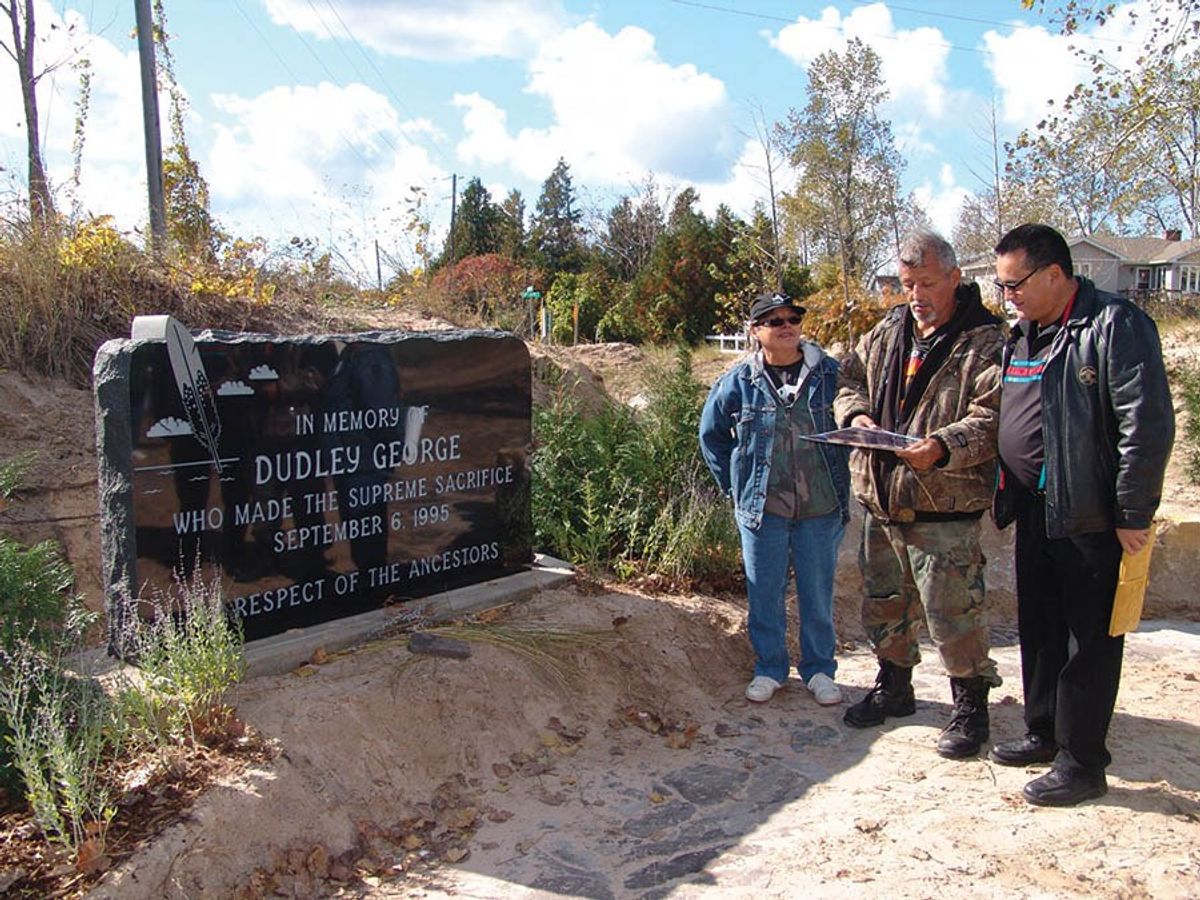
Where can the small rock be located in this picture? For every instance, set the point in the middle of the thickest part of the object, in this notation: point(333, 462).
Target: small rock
point(434, 645)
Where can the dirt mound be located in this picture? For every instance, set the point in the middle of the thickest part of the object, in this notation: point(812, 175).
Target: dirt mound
point(646, 770)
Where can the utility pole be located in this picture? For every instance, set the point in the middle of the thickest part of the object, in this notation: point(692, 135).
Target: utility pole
point(453, 210)
point(154, 174)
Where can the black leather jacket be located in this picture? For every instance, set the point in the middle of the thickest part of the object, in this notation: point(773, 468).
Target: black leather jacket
point(1108, 422)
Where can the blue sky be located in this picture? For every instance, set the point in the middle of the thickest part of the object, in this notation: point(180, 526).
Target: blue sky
point(314, 118)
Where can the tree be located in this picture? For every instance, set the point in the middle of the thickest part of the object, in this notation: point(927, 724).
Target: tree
point(1147, 109)
point(631, 230)
point(774, 159)
point(1001, 201)
point(510, 226)
point(24, 36)
point(191, 228)
point(1078, 160)
point(675, 293)
point(849, 168)
point(476, 224)
point(554, 232)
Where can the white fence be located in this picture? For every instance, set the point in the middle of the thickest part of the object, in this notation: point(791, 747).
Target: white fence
point(728, 343)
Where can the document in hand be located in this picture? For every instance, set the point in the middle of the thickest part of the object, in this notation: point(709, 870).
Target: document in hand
point(867, 438)
point(1131, 591)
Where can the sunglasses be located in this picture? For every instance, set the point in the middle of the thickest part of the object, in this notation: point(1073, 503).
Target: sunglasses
point(1011, 287)
point(779, 320)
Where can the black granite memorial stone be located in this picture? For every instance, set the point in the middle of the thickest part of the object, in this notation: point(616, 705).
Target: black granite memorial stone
point(315, 477)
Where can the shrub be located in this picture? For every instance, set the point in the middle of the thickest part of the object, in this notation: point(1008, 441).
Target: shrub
point(189, 654)
point(61, 733)
point(1186, 376)
point(38, 613)
point(627, 491)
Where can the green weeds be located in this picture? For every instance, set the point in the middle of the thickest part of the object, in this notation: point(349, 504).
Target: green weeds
point(62, 735)
point(1186, 376)
point(626, 491)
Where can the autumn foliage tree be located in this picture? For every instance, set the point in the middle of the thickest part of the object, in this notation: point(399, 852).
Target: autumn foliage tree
point(488, 286)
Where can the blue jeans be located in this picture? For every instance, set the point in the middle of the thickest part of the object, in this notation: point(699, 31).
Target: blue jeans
point(811, 546)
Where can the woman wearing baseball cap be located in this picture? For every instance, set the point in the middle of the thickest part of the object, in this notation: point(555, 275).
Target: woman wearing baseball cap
point(790, 495)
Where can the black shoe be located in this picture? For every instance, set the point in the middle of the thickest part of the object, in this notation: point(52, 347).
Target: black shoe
point(1033, 748)
point(891, 696)
point(968, 727)
point(1065, 787)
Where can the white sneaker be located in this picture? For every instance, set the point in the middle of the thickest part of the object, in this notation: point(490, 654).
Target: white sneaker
point(824, 691)
point(763, 688)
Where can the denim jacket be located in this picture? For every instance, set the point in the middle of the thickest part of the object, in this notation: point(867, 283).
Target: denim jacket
point(737, 429)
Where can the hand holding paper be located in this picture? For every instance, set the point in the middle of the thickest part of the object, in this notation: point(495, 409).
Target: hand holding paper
point(1131, 590)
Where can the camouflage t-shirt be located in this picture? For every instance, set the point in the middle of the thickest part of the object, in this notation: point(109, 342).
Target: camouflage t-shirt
point(799, 486)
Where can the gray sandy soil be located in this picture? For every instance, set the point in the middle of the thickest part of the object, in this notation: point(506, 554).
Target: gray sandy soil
point(645, 773)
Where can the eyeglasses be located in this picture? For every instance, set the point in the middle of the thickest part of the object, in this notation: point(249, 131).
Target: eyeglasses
point(779, 320)
point(1011, 287)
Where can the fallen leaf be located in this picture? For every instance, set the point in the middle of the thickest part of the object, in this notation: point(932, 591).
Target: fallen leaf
point(319, 657)
point(318, 862)
point(618, 621)
point(499, 815)
point(523, 847)
point(456, 854)
point(304, 671)
point(656, 798)
point(412, 842)
point(461, 818)
point(500, 770)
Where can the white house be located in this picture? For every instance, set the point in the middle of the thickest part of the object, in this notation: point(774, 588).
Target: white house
point(1134, 266)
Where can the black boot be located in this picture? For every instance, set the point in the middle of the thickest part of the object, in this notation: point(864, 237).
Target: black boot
point(968, 727)
point(891, 696)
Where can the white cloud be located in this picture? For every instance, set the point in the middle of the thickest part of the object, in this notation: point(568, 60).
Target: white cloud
point(314, 159)
point(235, 389)
point(943, 200)
point(913, 61)
point(448, 30)
point(263, 373)
point(1031, 66)
point(619, 111)
point(910, 139)
point(113, 177)
point(169, 427)
point(747, 183)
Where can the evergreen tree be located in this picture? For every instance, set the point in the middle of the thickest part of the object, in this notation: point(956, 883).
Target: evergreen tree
point(510, 226)
point(555, 234)
point(476, 225)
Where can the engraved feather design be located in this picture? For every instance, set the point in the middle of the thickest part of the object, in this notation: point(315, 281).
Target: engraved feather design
point(194, 389)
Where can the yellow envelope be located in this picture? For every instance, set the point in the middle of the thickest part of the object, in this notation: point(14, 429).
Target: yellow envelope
point(1131, 591)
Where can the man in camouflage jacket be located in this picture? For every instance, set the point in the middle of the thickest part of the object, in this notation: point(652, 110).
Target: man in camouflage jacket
point(929, 369)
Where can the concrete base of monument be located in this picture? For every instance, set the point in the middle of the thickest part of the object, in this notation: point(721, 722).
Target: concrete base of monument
point(283, 652)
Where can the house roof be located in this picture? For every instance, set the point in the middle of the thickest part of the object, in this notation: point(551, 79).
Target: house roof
point(1140, 249)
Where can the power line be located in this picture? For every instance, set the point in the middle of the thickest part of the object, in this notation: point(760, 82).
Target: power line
point(378, 73)
point(750, 14)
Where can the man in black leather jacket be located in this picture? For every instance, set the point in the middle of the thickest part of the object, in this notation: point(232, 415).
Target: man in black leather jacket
point(1086, 427)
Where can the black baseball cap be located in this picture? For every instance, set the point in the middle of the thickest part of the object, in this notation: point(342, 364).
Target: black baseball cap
point(769, 303)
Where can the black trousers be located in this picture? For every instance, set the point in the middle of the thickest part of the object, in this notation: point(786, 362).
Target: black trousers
point(1070, 667)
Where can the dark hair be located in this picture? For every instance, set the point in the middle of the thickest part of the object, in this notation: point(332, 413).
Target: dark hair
point(1043, 246)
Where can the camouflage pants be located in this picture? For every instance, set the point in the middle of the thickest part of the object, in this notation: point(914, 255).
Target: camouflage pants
point(930, 570)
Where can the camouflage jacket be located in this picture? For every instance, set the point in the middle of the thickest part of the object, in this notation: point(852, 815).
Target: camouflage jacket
point(960, 406)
